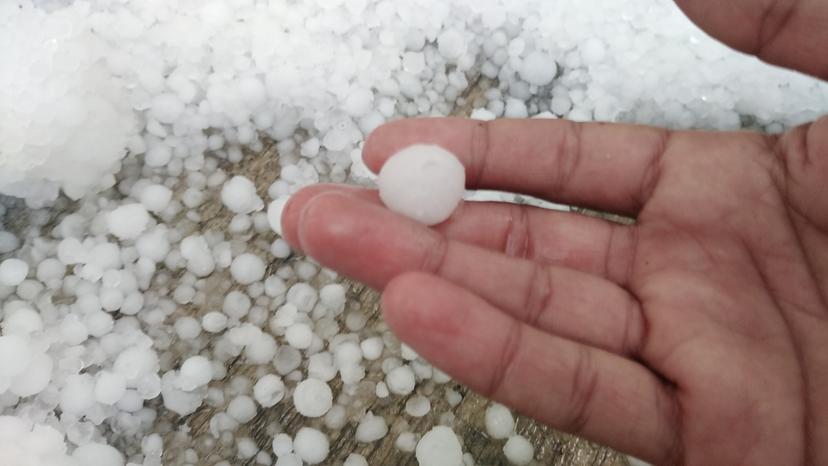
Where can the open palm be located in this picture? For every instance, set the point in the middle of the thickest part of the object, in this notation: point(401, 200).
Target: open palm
point(695, 336)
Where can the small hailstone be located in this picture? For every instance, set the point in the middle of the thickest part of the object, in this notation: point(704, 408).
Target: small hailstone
point(246, 448)
point(336, 418)
point(285, 316)
point(408, 352)
point(401, 380)
point(406, 442)
point(321, 366)
point(299, 336)
point(196, 251)
point(289, 460)
point(499, 421)
point(8, 242)
point(274, 286)
point(422, 182)
point(13, 272)
point(35, 378)
point(274, 213)
point(303, 296)
point(381, 390)
point(22, 321)
point(242, 409)
point(77, 394)
point(439, 447)
point(311, 445)
point(166, 108)
point(451, 44)
point(312, 398)
point(15, 354)
point(417, 406)
point(518, 450)
point(156, 197)
point(282, 445)
point(333, 296)
point(372, 348)
point(98, 454)
point(515, 108)
point(236, 304)
point(538, 69)
point(371, 428)
point(268, 391)
point(109, 387)
point(196, 371)
point(355, 459)
point(280, 248)
point(239, 195)
point(187, 328)
point(247, 268)
point(128, 221)
point(453, 397)
point(214, 322)
point(347, 354)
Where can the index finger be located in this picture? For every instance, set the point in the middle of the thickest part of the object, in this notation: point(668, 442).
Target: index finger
point(611, 167)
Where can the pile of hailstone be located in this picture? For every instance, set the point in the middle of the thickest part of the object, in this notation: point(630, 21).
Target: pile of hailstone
point(126, 301)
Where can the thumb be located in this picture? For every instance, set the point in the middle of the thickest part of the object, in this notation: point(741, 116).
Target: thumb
point(789, 33)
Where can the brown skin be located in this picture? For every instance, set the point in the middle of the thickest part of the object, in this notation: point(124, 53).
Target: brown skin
point(696, 336)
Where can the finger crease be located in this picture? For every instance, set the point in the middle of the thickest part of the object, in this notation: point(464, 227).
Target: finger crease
point(583, 390)
point(652, 172)
point(518, 238)
point(539, 295)
point(435, 256)
point(479, 153)
point(568, 157)
point(507, 360)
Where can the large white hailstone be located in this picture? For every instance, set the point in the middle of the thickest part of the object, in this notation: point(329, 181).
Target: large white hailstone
point(15, 354)
point(401, 380)
point(13, 272)
point(312, 398)
point(518, 450)
point(65, 122)
point(439, 447)
point(371, 428)
point(98, 454)
point(247, 268)
point(422, 182)
point(499, 421)
point(311, 445)
point(128, 221)
point(239, 195)
point(538, 68)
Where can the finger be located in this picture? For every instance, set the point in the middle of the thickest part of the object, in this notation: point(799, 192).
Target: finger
point(545, 236)
point(789, 33)
point(572, 387)
point(381, 245)
point(605, 166)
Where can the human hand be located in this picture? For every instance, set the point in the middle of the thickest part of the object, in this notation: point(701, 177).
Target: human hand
point(694, 336)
